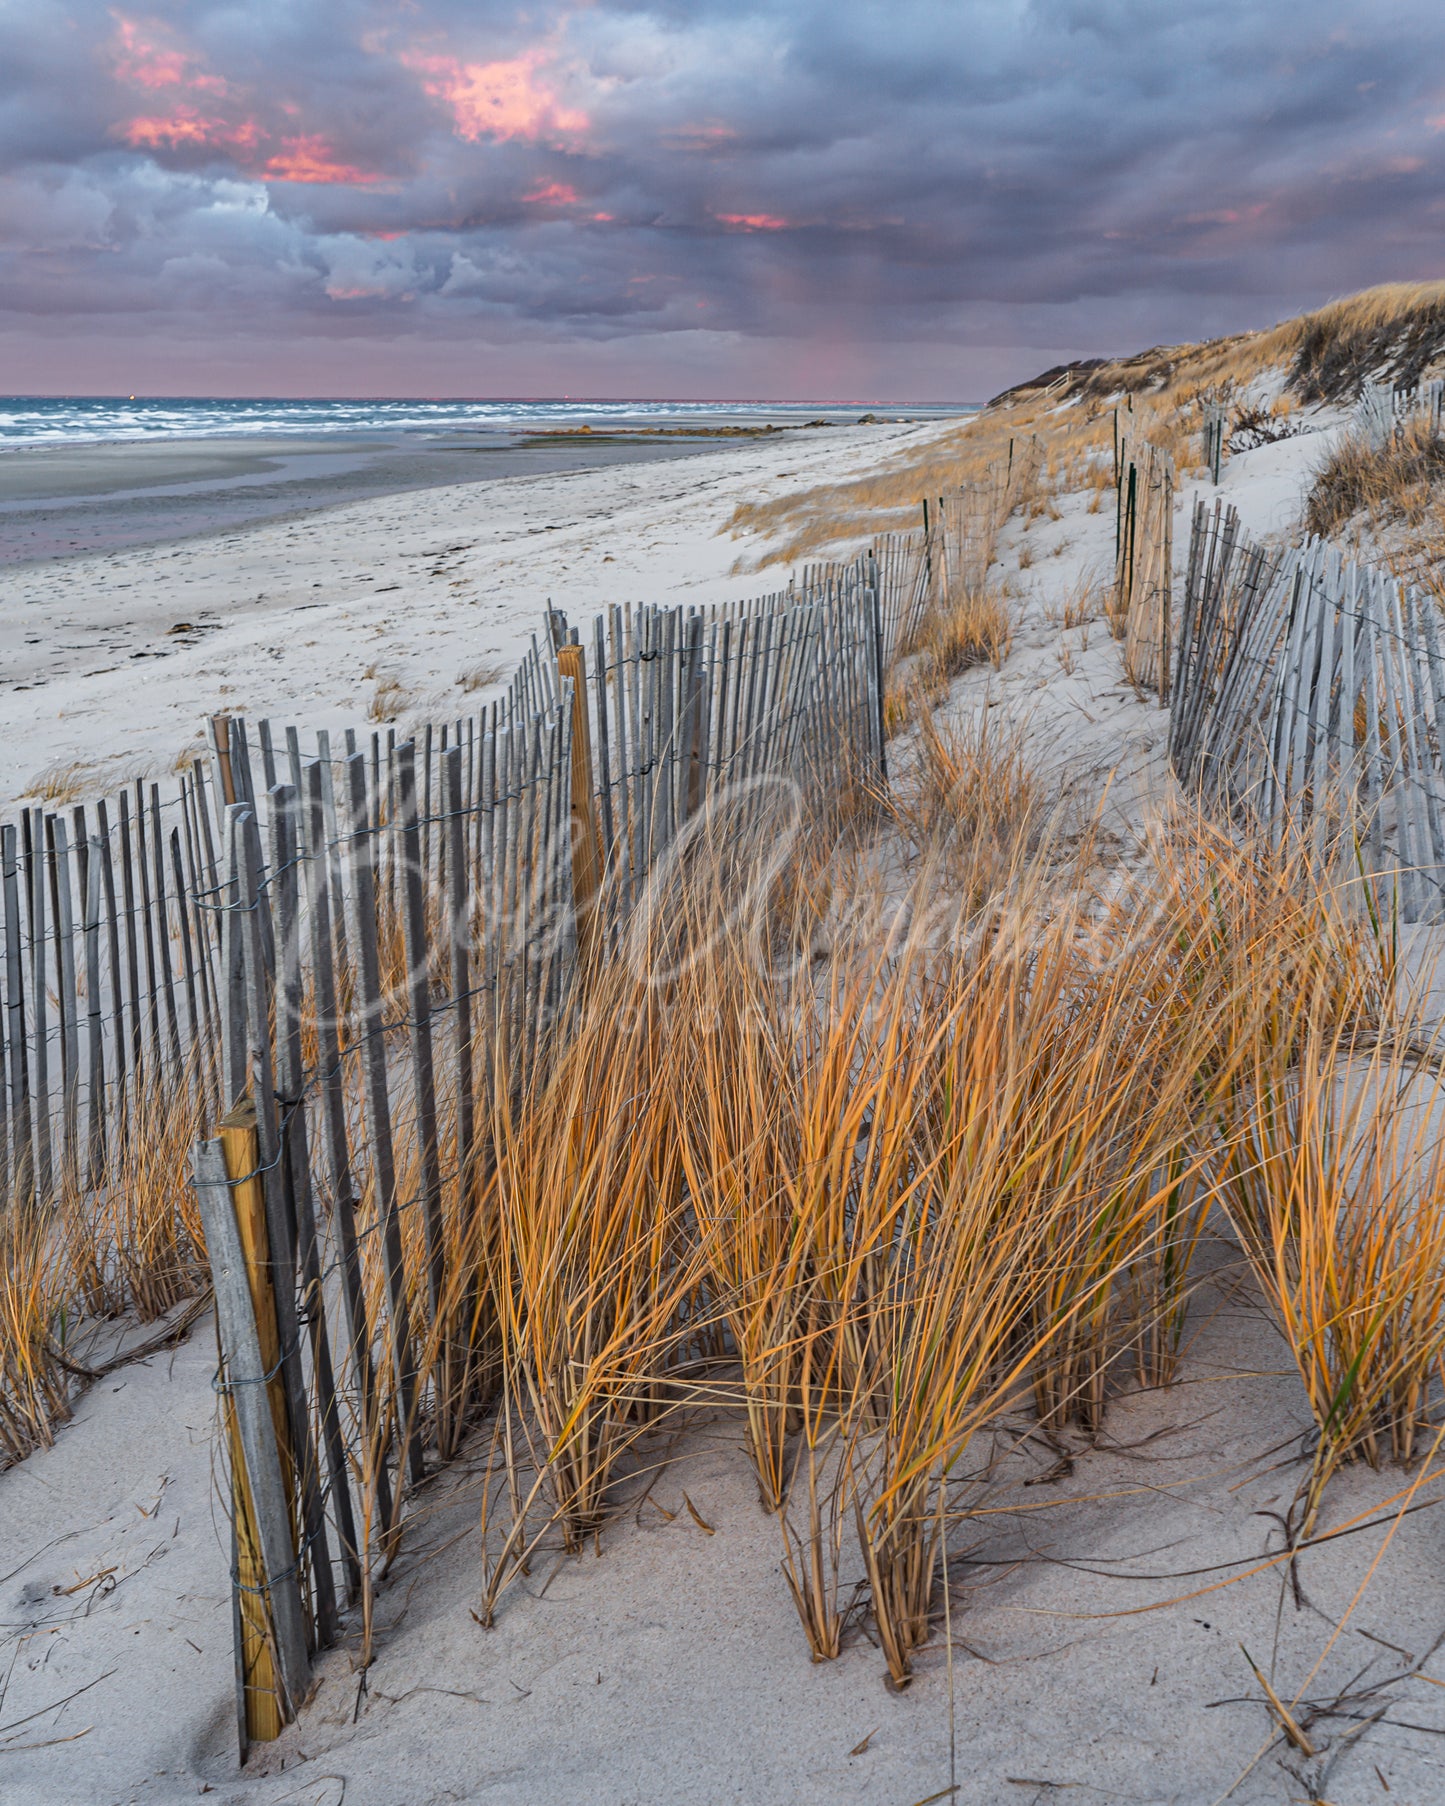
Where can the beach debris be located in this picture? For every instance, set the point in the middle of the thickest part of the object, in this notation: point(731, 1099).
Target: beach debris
point(697, 1517)
point(1287, 1722)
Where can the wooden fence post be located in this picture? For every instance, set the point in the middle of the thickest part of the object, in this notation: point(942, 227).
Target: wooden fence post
point(373, 1476)
point(259, 996)
point(273, 1672)
point(370, 1006)
point(295, 1169)
point(877, 674)
point(22, 1152)
point(221, 738)
point(415, 940)
point(586, 860)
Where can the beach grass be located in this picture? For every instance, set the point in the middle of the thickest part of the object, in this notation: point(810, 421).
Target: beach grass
point(1399, 482)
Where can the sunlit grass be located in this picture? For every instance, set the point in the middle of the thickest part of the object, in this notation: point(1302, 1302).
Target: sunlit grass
point(1395, 482)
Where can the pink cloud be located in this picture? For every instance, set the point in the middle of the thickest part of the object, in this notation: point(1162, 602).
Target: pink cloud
point(1226, 216)
point(187, 126)
point(553, 194)
point(497, 100)
point(309, 158)
point(361, 292)
point(755, 222)
point(146, 55)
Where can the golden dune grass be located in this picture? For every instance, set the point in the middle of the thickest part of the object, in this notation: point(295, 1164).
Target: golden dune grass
point(867, 1163)
point(972, 627)
point(134, 1242)
point(389, 697)
point(1334, 1170)
point(34, 1386)
point(1399, 482)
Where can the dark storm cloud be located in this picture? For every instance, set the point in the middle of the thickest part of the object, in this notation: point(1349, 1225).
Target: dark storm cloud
point(1069, 173)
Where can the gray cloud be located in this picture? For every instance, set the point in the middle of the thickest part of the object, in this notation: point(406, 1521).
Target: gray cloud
point(704, 185)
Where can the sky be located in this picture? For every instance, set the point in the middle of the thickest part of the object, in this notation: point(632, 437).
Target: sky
point(892, 200)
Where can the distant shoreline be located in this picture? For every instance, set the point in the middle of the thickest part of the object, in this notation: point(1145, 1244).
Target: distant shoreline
point(86, 497)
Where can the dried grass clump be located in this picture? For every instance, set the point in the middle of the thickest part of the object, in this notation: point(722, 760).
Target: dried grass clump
point(1397, 481)
point(592, 1272)
point(867, 1293)
point(1087, 601)
point(62, 783)
point(1324, 1141)
point(1335, 1174)
point(34, 1387)
point(969, 801)
point(1254, 426)
point(135, 1243)
point(388, 699)
point(482, 676)
point(973, 628)
point(1320, 1120)
point(131, 1246)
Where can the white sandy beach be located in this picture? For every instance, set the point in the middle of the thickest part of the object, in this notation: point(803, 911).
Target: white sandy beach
point(1097, 1657)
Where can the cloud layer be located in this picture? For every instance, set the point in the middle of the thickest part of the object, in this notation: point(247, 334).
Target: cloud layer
point(917, 200)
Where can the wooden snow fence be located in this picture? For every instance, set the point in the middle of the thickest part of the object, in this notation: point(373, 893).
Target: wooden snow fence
point(1214, 432)
point(111, 991)
point(400, 933)
point(1382, 411)
point(905, 586)
point(1141, 611)
point(112, 994)
point(1310, 701)
point(109, 996)
point(917, 573)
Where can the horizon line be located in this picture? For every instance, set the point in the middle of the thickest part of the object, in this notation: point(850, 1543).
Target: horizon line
point(533, 400)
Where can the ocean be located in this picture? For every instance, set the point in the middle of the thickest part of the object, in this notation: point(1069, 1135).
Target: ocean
point(100, 419)
point(85, 474)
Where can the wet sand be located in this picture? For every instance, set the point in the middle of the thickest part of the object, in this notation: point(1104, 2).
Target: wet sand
point(69, 501)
